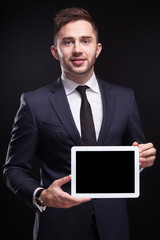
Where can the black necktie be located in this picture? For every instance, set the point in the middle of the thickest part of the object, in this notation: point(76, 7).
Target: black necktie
point(86, 119)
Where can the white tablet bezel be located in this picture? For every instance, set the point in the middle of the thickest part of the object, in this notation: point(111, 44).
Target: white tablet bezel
point(106, 148)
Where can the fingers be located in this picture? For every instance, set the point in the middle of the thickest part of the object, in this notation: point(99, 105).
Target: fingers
point(147, 146)
point(147, 154)
point(135, 144)
point(70, 201)
point(146, 164)
point(147, 158)
point(62, 181)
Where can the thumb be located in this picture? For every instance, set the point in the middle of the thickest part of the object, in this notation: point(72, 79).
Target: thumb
point(135, 144)
point(62, 181)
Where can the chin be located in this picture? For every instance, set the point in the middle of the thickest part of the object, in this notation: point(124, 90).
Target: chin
point(81, 71)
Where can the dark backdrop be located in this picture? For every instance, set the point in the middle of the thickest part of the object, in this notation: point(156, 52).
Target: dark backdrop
point(129, 32)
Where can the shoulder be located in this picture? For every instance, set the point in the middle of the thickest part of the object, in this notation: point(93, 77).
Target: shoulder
point(43, 90)
point(112, 92)
point(40, 94)
point(115, 89)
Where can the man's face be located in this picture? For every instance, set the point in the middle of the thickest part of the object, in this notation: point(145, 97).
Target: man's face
point(76, 49)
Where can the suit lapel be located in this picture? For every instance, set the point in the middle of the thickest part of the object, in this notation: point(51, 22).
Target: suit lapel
point(61, 106)
point(109, 103)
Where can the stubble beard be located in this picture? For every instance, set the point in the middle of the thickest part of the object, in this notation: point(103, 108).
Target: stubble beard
point(77, 71)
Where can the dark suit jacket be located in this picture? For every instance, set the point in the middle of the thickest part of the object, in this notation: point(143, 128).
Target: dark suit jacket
point(44, 127)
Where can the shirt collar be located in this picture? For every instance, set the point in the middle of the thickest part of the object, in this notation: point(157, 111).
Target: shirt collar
point(70, 86)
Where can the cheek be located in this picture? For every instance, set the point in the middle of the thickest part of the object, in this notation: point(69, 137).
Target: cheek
point(59, 53)
point(92, 52)
point(92, 55)
point(64, 54)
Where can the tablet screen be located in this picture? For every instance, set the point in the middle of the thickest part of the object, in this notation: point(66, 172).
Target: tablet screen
point(105, 171)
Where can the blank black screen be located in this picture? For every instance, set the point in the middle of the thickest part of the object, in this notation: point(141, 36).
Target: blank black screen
point(105, 172)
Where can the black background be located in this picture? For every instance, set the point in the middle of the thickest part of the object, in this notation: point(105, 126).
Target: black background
point(130, 34)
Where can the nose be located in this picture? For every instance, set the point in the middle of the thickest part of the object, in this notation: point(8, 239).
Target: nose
point(77, 48)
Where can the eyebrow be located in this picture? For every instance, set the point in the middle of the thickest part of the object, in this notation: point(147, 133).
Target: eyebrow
point(86, 37)
point(70, 38)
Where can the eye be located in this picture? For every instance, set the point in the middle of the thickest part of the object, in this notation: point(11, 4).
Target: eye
point(67, 42)
point(85, 41)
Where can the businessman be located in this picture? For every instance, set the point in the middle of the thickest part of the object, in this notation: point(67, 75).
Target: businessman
point(76, 109)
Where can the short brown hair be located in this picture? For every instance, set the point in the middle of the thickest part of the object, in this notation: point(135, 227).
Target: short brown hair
point(67, 15)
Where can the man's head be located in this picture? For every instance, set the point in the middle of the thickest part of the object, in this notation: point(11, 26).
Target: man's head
point(76, 44)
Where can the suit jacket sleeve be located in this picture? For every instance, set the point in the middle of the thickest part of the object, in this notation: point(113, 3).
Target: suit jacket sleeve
point(21, 151)
point(134, 130)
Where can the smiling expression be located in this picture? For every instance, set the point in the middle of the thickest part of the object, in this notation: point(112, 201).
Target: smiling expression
point(77, 49)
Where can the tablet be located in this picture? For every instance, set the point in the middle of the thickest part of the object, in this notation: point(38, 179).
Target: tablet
point(105, 172)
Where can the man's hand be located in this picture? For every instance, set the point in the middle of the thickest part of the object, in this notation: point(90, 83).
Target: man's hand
point(54, 196)
point(147, 154)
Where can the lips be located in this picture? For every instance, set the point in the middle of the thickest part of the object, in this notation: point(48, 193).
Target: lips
point(78, 61)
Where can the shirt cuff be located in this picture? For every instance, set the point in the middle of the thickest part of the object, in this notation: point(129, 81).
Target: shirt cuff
point(141, 170)
point(40, 208)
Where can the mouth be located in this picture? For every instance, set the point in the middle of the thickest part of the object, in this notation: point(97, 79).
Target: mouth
point(78, 61)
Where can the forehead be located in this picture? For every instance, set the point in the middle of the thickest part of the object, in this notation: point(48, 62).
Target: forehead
point(77, 29)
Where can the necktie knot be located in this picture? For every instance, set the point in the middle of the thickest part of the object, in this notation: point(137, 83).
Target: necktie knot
point(82, 90)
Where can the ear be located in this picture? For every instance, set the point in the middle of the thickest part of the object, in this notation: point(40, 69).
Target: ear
point(99, 49)
point(54, 52)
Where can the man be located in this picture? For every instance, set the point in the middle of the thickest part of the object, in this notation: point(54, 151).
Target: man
point(49, 123)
